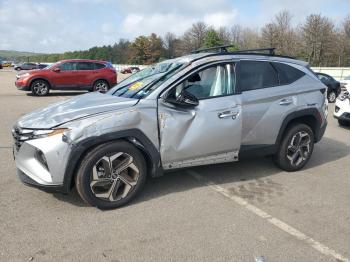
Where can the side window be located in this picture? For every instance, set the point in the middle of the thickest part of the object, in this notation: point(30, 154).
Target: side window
point(256, 75)
point(210, 82)
point(99, 66)
point(85, 66)
point(288, 74)
point(68, 66)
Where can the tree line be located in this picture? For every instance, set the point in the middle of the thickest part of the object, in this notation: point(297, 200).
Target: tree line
point(317, 40)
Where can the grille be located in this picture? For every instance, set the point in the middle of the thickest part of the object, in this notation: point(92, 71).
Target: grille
point(20, 135)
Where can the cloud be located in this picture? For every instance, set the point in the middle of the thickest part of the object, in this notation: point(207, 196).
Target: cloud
point(58, 26)
point(145, 17)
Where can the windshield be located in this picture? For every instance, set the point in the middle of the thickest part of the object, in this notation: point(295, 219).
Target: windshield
point(142, 83)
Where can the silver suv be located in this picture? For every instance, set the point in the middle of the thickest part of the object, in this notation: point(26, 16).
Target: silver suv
point(200, 109)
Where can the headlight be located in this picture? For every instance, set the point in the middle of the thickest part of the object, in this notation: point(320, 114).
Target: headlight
point(46, 133)
point(24, 75)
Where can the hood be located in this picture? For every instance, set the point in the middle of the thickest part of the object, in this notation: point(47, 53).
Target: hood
point(72, 109)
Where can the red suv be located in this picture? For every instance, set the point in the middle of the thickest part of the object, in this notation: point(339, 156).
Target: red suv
point(77, 74)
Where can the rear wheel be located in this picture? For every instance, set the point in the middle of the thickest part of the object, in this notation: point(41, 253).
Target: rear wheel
point(296, 148)
point(332, 96)
point(40, 88)
point(111, 175)
point(101, 86)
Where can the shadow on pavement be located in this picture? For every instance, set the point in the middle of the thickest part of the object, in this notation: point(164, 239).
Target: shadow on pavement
point(61, 94)
point(255, 171)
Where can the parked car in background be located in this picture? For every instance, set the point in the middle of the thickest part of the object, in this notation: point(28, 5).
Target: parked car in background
point(42, 66)
point(74, 74)
point(0, 66)
point(6, 64)
point(200, 109)
point(130, 70)
point(26, 66)
point(333, 86)
point(342, 108)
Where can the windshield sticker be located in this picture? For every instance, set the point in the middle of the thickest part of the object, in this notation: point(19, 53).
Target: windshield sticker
point(135, 86)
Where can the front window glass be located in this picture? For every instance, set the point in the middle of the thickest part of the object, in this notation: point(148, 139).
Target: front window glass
point(68, 66)
point(142, 83)
point(210, 82)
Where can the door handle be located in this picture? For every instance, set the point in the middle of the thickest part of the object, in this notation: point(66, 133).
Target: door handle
point(286, 101)
point(227, 114)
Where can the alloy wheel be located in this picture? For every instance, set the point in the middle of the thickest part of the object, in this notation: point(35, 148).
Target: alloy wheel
point(299, 148)
point(332, 97)
point(101, 87)
point(40, 88)
point(114, 177)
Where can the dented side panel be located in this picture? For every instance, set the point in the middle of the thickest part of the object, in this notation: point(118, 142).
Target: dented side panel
point(197, 136)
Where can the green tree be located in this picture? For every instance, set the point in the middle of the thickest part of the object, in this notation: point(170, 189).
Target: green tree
point(212, 39)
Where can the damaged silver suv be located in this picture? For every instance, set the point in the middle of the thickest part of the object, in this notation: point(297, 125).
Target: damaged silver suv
point(204, 108)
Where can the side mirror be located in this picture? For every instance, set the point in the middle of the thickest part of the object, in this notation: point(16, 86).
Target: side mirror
point(185, 99)
point(57, 69)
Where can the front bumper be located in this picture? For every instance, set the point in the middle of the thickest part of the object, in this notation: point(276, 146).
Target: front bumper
point(47, 188)
point(32, 170)
point(22, 84)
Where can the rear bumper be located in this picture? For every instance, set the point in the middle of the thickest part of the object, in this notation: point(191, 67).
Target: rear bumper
point(320, 133)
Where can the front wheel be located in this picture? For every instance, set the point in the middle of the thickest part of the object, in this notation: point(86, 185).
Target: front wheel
point(332, 96)
point(40, 88)
point(111, 175)
point(100, 86)
point(296, 148)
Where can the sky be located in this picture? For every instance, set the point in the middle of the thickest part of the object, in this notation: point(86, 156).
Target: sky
point(49, 26)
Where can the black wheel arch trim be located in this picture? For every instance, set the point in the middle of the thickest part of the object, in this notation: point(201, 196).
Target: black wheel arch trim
point(308, 112)
point(134, 136)
point(39, 78)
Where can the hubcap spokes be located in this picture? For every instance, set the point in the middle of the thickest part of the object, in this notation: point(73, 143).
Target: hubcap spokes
point(101, 87)
point(114, 176)
point(40, 88)
point(299, 148)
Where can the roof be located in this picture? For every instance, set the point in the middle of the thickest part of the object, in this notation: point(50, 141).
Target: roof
point(82, 60)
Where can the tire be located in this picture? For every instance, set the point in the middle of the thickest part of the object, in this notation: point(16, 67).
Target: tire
point(100, 86)
point(291, 154)
point(343, 123)
point(331, 96)
point(40, 87)
point(107, 190)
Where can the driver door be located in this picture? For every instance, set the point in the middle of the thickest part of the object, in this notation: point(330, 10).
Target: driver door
point(204, 134)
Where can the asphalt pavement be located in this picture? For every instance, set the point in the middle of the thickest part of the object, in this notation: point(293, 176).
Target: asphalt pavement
point(227, 212)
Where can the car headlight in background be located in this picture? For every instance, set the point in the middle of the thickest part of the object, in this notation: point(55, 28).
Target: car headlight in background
point(23, 75)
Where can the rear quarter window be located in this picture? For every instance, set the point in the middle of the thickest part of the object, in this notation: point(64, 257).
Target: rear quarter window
point(287, 74)
point(99, 65)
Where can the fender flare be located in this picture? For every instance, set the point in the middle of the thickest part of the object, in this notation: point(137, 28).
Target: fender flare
point(134, 136)
point(309, 112)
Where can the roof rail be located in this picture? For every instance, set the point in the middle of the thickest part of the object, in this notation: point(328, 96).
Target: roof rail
point(271, 50)
point(223, 49)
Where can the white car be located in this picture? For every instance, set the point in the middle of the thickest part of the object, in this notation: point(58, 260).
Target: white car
point(345, 83)
point(342, 108)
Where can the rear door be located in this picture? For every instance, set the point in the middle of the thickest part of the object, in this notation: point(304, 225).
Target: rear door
point(205, 134)
point(267, 97)
point(86, 74)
